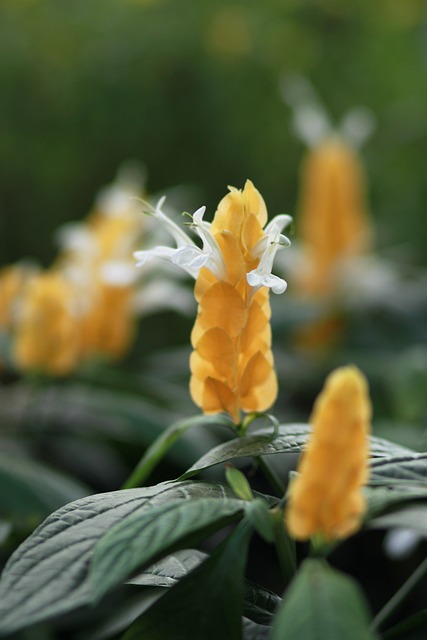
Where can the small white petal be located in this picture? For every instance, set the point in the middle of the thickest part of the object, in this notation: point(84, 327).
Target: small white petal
point(192, 259)
point(276, 284)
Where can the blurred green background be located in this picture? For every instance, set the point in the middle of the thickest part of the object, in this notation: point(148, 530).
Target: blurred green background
point(192, 89)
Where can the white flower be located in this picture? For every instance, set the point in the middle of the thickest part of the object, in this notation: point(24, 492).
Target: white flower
point(187, 254)
point(266, 250)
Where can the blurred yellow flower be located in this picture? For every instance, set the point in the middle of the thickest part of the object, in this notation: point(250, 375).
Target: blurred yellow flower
point(47, 330)
point(232, 363)
point(13, 280)
point(325, 499)
point(332, 222)
point(97, 255)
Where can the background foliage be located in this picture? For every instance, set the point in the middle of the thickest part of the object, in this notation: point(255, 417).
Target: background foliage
point(193, 90)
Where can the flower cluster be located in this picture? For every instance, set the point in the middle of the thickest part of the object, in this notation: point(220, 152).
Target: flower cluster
point(82, 306)
point(232, 363)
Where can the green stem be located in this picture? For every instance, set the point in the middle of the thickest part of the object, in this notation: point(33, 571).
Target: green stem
point(400, 596)
point(271, 476)
point(163, 443)
point(285, 547)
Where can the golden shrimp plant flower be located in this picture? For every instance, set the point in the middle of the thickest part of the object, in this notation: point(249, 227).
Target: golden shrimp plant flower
point(325, 499)
point(232, 368)
point(333, 222)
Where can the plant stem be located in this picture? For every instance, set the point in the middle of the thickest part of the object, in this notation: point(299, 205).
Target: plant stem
point(400, 596)
point(271, 476)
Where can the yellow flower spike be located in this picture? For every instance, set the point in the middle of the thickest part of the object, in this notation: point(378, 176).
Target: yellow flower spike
point(332, 222)
point(47, 332)
point(325, 499)
point(232, 368)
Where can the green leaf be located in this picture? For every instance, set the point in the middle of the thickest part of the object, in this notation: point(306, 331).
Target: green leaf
point(261, 518)
point(321, 604)
point(382, 498)
point(48, 574)
point(260, 604)
point(169, 570)
point(206, 605)
point(410, 468)
point(144, 536)
point(29, 489)
point(291, 438)
point(413, 516)
point(238, 483)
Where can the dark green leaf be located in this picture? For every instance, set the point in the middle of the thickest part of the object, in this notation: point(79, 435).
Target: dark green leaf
point(321, 604)
point(261, 518)
point(291, 438)
point(169, 570)
point(260, 604)
point(206, 605)
point(413, 516)
point(30, 489)
point(144, 536)
point(410, 468)
point(382, 498)
point(49, 573)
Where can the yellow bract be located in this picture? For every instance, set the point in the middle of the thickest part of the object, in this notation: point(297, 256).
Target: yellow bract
point(232, 364)
point(326, 499)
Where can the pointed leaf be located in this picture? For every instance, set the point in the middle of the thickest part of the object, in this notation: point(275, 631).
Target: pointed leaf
point(291, 438)
point(381, 498)
point(49, 573)
point(322, 603)
point(206, 605)
point(144, 536)
point(260, 604)
point(169, 570)
point(409, 468)
point(412, 516)
point(28, 488)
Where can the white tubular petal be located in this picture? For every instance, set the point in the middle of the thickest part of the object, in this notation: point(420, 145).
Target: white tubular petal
point(215, 262)
point(178, 234)
point(266, 250)
point(281, 221)
point(142, 257)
